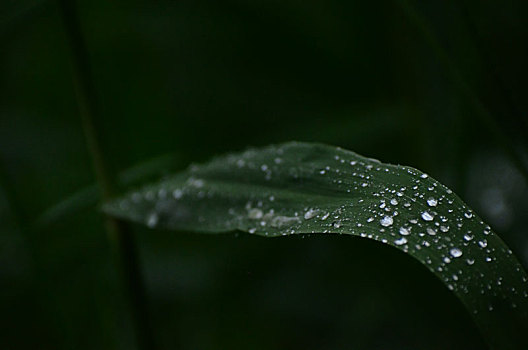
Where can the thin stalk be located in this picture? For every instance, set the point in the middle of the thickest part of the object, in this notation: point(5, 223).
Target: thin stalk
point(39, 284)
point(482, 113)
point(120, 234)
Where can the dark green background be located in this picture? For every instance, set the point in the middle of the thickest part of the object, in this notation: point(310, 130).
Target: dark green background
point(197, 78)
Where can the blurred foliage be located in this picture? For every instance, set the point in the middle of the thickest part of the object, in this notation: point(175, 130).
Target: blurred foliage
point(198, 78)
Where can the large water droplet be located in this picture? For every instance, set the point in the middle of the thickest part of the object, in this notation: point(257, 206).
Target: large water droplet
point(400, 241)
point(310, 214)
point(386, 221)
point(404, 231)
point(427, 216)
point(255, 213)
point(455, 252)
point(468, 237)
point(432, 202)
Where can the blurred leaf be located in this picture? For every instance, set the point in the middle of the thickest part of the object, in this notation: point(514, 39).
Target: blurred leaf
point(89, 196)
point(303, 188)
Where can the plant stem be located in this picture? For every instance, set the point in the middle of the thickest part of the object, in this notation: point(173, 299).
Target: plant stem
point(485, 116)
point(120, 235)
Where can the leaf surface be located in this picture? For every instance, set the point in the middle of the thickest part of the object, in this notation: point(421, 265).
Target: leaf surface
point(306, 188)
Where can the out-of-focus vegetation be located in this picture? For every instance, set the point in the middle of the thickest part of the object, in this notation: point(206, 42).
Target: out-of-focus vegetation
point(402, 81)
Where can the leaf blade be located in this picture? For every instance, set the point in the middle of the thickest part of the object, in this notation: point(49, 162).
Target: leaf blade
point(304, 188)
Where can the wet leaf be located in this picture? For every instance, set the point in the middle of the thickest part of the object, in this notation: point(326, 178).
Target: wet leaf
point(303, 188)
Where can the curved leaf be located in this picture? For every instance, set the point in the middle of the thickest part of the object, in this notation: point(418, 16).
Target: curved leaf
point(304, 188)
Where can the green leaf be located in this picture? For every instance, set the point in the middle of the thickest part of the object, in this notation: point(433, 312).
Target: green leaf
point(305, 188)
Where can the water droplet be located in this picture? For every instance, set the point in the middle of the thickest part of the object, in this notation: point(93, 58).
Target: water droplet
point(431, 232)
point(404, 231)
point(424, 176)
point(400, 241)
point(198, 183)
point(177, 194)
point(455, 252)
point(468, 237)
point(483, 243)
point(310, 214)
point(255, 213)
point(394, 201)
point(325, 216)
point(386, 221)
point(432, 202)
point(427, 216)
point(152, 220)
point(470, 261)
point(468, 215)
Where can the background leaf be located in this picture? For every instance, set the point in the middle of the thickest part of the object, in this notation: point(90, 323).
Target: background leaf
point(304, 188)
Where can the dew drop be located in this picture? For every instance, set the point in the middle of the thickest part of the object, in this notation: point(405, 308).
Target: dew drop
point(310, 214)
point(455, 252)
point(427, 216)
point(404, 231)
point(152, 220)
point(400, 241)
point(468, 237)
point(386, 221)
point(255, 213)
point(432, 202)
